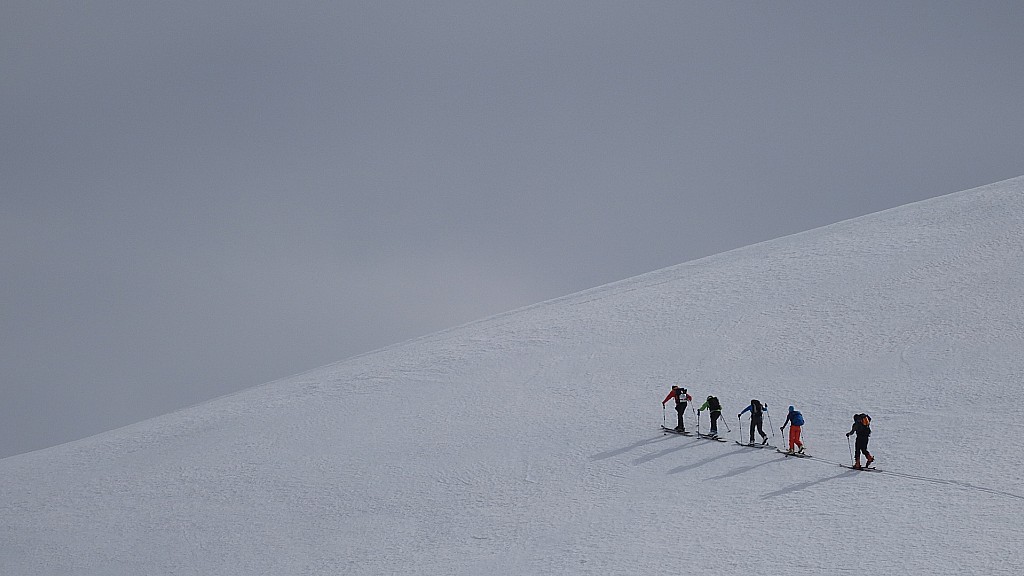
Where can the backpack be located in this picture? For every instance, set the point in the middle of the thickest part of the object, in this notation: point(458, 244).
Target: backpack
point(713, 404)
point(797, 418)
point(755, 408)
point(680, 396)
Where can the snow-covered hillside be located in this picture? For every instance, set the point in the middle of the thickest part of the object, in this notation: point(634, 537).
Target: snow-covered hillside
point(529, 442)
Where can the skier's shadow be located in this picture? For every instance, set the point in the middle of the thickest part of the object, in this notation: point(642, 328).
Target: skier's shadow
point(631, 447)
point(679, 469)
point(665, 452)
point(743, 469)
point(806, 485)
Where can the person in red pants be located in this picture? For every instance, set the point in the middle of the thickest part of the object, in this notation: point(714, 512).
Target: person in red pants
point(795, 420)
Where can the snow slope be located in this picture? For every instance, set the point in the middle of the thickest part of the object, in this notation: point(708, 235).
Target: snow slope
point(529, 442)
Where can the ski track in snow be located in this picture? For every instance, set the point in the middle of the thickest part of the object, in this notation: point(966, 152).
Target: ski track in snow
point(528, 443)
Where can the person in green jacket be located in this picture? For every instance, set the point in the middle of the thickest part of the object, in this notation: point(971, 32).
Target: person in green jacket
point(715, 407)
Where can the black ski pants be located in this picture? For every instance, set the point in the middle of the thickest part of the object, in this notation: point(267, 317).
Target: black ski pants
point(680, 410)
point(715, 415)
point(755, 424)
point(862, 447)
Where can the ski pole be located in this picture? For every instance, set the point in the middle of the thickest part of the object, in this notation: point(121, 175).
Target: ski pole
point(663, 420)
point(724, 421)
point(851, 448)
point(739, 427)
point(772, 426)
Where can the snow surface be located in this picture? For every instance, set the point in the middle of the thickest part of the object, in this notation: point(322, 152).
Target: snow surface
point(529, 442)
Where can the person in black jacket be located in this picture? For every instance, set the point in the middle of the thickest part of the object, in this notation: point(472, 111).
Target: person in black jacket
point(861, 427)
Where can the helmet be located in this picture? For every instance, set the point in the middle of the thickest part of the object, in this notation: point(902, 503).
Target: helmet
point(674, 386)
point(683, 389)
point(710, 397)
point(792, 408)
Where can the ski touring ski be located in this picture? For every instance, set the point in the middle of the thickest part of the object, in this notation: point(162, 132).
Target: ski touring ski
point(674, 431)
point(787, 454)
point(712, 437)
point(861, 469)
point(748, 445)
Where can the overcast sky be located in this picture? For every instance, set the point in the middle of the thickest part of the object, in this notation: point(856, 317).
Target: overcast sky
point(201, 196)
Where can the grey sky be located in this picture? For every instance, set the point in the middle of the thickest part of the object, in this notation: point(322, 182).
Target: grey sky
point(201, 196)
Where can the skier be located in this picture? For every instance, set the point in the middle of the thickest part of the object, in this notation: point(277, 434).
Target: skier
point(681, 398)
point(862, 426)
point(715, 409)
point(796, 420)
point(756, 410)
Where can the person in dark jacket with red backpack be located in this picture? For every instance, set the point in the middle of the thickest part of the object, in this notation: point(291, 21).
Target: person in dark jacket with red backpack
point(861, 427)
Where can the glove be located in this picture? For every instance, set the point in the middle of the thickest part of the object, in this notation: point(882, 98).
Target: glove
point(848, 434)
point(783, 428)
point(737, 415)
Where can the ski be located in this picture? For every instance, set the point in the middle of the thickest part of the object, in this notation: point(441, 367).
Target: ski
point(711, 437)
point(674, 431)
point(747, 445)
point(861, 469)
point(788, 454)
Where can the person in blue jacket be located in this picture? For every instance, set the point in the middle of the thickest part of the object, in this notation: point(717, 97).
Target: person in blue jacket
point(757, 411)
point(795, 420)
